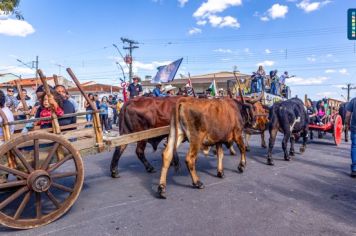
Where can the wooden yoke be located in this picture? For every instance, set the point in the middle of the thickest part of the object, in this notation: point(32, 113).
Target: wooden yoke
point(7, 136)
point(55, 125)
point(24, 104)
point(96, 118)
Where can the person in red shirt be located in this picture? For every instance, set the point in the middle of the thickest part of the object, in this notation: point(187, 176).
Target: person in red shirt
point(54, 101)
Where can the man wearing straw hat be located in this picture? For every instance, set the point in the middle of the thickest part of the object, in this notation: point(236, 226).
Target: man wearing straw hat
point(170, 90)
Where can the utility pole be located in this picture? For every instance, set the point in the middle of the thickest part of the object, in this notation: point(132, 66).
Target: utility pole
point(349, 88)
point(128, 59)
point(34, 64)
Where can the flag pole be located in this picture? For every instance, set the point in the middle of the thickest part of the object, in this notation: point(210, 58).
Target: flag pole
point(191, 84)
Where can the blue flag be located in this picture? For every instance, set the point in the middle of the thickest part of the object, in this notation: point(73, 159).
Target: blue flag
point(167, 73)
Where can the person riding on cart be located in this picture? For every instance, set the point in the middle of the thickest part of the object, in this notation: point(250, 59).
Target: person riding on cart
point(275, 82)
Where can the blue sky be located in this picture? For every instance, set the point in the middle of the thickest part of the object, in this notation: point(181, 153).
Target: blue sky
point(306, 37)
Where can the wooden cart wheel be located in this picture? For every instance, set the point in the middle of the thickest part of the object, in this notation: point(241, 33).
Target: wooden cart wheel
point(337, 129)
point(42, 188)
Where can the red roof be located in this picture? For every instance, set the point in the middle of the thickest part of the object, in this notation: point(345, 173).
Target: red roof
point(95, 88)
point(24, 82)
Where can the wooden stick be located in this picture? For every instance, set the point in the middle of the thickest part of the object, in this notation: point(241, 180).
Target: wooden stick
point(97, 125)
point(240, 91)
point(55, 78)
point(24, 104)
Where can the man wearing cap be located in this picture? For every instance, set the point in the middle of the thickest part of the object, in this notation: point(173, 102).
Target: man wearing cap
point(135, 89)
point(157, 92)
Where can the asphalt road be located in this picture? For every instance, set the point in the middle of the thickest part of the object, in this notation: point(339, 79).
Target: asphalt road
point(310, 195)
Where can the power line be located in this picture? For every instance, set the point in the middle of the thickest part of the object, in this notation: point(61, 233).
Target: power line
point(128, 59)
point(348, 88)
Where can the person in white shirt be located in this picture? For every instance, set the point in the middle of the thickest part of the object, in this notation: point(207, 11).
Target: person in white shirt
point(8, 114)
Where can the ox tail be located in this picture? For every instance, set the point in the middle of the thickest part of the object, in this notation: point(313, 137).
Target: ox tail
point(175, 127)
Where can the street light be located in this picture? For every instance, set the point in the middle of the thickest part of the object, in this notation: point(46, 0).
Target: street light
point(122, 70)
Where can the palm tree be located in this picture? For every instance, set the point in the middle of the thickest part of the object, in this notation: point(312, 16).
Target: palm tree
point(11, 7)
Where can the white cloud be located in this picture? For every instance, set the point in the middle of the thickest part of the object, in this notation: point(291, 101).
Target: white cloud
point(201, 22)
point(12, 27)
point(16, 70)
point(277, 11)
point(182, 2)
point(226, 21)
point(223, 50)
point(329, 55)
point(267, 51)
point(311, 59)
point(343, 71)
point(264, 18)
point(308, 6)
point(194, 31)
point(215, 6)
point(207, 13)
point(266, 63)
point(330, 71)
point(307, 81)
point(326, 94)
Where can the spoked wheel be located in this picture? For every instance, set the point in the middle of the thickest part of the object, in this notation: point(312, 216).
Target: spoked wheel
point(46, 183)
point(338, 127)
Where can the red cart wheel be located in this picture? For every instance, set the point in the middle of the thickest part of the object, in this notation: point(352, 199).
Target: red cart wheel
point(337, 130)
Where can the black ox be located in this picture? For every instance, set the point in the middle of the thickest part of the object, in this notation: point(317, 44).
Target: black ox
point(290, 118)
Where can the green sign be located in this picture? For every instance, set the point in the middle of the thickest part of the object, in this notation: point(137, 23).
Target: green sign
point(351, 24)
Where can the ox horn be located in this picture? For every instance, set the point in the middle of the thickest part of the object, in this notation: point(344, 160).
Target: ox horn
point(258, 99)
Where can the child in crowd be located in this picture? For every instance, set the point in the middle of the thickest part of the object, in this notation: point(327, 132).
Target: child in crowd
point(321, 114)
point(47, 101)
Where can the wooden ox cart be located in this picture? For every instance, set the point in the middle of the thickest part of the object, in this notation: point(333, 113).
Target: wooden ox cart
point(42, 171)
point(333, 122)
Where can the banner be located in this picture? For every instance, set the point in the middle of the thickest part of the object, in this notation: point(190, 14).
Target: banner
point(167, 73)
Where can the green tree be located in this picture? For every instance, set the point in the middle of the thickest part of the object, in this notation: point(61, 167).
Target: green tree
point(11, 7)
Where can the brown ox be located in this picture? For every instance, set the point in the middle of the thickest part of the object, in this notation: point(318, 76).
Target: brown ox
point(205, 122)
point(261, 125)
point(142, 114)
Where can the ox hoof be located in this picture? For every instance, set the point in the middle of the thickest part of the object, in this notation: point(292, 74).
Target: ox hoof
point(115, 174)
point(221, 174)
point(198, 185)
point(291, 153)
point(270, 162)
point(161, 191)
point(302, 149)
point(264, 146)
point(287, 158)
point(241, 168)
point(150, 169)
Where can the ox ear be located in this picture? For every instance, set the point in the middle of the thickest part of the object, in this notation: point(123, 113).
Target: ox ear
point(248, 111)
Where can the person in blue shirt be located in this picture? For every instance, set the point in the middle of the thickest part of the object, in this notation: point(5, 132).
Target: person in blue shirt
point(157, 92)
point(351, 124)
point(104, 107)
